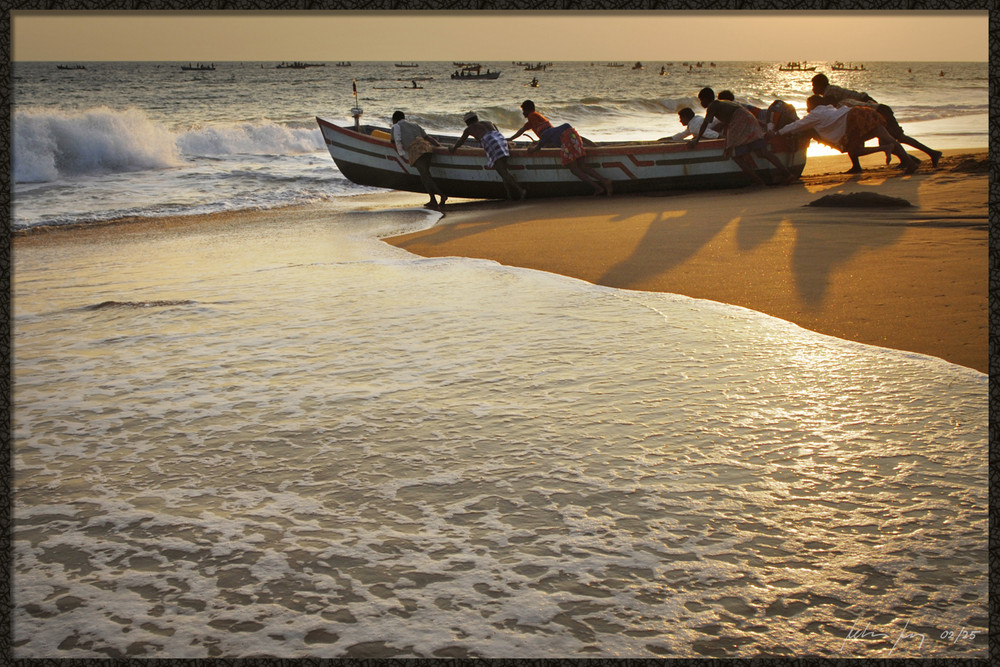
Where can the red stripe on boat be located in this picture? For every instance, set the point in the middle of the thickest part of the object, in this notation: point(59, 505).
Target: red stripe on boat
point(641, 163)
point(619, 165)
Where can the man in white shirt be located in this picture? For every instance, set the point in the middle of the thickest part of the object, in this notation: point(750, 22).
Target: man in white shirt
point(847, 129)
point(844, 96)
point(692, 124)
point(414, 144)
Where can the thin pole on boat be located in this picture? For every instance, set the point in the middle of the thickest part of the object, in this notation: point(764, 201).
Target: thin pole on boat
point(356, 111)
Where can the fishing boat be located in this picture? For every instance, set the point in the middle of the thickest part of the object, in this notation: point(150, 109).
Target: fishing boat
point(843, 67)
point(71, 67)
point(298, 65)
point(366, 155)
point(796, 67)
point(200, 67)
point(472, 73)
point(407, 65)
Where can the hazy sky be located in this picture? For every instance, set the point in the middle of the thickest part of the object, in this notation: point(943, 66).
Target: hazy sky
point(462, 35)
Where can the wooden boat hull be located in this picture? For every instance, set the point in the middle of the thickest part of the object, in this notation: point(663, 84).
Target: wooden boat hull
point(631, 167)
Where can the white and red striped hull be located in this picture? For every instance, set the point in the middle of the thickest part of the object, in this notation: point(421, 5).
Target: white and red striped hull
point(631, 167)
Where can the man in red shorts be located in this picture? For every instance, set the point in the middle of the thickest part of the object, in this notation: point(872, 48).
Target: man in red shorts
point(566, 138)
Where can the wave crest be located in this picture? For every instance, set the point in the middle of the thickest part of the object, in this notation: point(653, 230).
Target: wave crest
point(49, 145)
point(250, 138)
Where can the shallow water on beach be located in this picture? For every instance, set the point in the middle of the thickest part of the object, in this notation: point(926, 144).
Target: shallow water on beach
point(320, 445)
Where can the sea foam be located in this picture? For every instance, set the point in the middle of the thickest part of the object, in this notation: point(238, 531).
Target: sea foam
point(250, 138)
point(50, 145)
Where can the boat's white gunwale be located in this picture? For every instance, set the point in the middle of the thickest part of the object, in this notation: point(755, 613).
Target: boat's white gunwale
point(609, 148)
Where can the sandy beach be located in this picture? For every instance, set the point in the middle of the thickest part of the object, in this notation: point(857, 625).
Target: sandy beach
point(912, 278)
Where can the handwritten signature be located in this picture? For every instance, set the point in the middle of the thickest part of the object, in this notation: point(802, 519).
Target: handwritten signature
point(905, 635)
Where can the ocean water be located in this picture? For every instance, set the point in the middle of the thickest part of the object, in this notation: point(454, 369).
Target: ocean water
point(144, 139)
point(295, 440)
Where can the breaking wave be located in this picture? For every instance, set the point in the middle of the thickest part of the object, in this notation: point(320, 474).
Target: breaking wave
point(250, 138)
point(51, 145)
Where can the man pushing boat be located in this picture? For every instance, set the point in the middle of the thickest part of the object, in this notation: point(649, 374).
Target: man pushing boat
point(744, 136)
point(497, 151)
point(413, 143)
point(566, 138)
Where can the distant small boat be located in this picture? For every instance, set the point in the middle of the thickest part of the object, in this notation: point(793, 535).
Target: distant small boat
point(615, 65)
point(797, 67)
point(344, 64)
point(539, 67)
point(407, 65)
point(200, 67)
point(638, 65)
point(472, 72)
point(71, 67)
point(468, 77)
point(844, 67)
point(298, 65)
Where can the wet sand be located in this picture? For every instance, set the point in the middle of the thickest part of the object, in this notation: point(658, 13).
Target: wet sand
point(913, 278)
